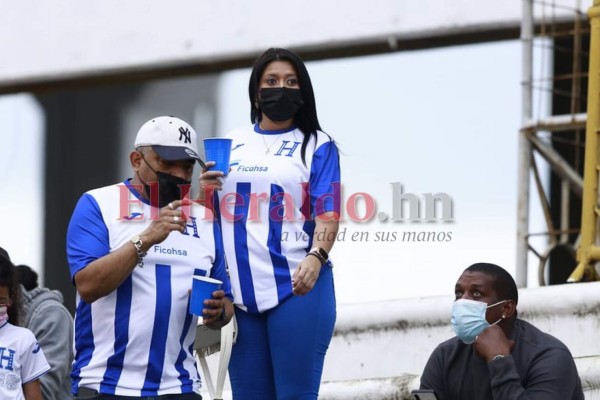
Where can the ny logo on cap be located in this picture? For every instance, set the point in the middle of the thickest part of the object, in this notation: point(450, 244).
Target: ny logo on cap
point(185, 134)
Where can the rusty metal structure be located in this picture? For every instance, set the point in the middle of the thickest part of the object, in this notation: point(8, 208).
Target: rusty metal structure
point(556, 142)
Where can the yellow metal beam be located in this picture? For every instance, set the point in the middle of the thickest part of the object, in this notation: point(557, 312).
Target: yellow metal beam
point(588, 252)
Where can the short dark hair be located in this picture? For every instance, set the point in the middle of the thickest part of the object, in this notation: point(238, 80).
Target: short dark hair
point(504, 284)
point(27, 277)
point(306, 119)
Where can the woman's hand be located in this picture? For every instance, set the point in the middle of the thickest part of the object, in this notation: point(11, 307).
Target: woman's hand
point(211, 180)
point(306, 275)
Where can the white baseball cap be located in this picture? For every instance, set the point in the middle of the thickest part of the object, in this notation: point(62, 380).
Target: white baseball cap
point(171, 138)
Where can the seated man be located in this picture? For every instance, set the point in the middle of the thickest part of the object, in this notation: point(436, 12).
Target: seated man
point(496, 355)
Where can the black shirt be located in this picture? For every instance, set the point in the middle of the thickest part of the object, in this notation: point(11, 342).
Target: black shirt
point(540, 367)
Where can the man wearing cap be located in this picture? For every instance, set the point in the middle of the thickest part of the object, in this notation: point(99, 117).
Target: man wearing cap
point(133, 249)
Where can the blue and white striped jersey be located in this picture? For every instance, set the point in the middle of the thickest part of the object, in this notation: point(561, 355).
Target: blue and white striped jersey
point(138, 340)
point(21, 361)
point(267, 208)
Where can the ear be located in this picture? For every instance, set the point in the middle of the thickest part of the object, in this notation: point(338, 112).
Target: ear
point(508, 309)
point(135, 158)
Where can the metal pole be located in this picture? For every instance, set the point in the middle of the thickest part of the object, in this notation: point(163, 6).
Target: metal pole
point(524, 144)
point(589, 252)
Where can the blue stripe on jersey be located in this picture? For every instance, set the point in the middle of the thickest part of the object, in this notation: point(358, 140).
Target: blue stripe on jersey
point(281, 269)
point(184, 375)
point(219, 269)
point(324, 181)
point(158, 343)
point(84, 342)
point(241, 246)
point(114, 363)
point(216, 209)
point(87, 235)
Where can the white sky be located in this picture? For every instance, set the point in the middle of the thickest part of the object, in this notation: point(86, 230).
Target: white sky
point(443, 120)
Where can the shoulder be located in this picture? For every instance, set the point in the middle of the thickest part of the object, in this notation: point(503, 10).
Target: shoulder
point(239, 132)
point(448, 348)
point(104, 190)
point(536, 337)
point(533, 340)
point(23, 335)
point(96, 198)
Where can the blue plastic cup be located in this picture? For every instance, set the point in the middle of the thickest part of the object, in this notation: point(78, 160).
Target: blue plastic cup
point(202, 289)
point(219, 151)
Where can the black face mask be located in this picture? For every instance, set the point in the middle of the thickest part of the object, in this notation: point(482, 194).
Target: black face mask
point(280, 104)
point(170, 188)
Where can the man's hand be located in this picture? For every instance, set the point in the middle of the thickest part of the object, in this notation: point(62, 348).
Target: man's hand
point(217, 311)
point(493, 342)
point(170, 218)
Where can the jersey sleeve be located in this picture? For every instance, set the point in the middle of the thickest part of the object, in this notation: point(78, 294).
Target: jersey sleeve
point(324, 181)
point(33, 361)
point(219, 268)
point(87, 235)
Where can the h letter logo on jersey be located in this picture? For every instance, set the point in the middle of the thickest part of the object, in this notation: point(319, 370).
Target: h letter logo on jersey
point(7, 357)
point(184, 133)
point(289, 149)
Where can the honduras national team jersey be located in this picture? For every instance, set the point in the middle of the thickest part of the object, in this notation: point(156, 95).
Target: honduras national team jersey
point(267, 209)
point(138, 340)
point(21, 361)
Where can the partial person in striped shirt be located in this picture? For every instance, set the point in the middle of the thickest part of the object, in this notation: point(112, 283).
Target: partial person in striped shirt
point(133, 249)
point(279, 210)
point(22, 361)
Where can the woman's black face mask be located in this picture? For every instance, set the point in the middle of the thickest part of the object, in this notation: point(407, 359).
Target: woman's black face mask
point(280, 104)
point(170, 187)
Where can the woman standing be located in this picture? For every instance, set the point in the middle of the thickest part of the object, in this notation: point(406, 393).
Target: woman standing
point(279, 211)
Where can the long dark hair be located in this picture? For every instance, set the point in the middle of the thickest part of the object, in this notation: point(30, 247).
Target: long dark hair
point(306, 118)
point(8, 279)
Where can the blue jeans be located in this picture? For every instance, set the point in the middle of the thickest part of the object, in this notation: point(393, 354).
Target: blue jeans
point(279, 354)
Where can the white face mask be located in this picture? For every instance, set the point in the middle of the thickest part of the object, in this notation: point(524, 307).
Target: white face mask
point(468, 318)
point(3, 314)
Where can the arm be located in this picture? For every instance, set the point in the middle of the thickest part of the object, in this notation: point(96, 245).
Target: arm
point(32, 390)
point(324, 190)
point(95, 271)
point(552, 376)
point(306, 274)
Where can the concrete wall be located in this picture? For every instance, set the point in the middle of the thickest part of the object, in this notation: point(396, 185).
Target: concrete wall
point(62, 40)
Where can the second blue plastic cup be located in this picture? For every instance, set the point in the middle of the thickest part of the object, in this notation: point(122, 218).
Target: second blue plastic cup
point(219, 151)
point(202, 289)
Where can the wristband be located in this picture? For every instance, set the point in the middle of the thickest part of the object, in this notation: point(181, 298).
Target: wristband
point(318, 257)
point(137, 243)
point(497, 357)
